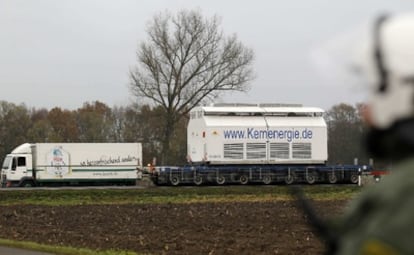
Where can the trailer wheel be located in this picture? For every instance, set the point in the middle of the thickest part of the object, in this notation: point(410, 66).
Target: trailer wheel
point(175, 180)
point(267, 179)
point(220, 180)
point(332, 179)
point(354, 178)
point(198, 180)
point(243, 179)
point(289, 179)
point(310, 178)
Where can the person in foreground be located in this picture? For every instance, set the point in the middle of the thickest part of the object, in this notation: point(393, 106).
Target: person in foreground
point(381, 219)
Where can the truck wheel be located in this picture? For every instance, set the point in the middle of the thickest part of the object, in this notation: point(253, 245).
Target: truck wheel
point(289, 179)
point(310, 178)
point(332, 179)
point(243, 179)
point(354, 178)
point(175, 180)
point(27, 184)
point(220, 180)
point(267, 179)
point(198, 180)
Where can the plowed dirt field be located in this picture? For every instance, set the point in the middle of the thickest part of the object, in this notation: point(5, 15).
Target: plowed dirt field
point(277, 227)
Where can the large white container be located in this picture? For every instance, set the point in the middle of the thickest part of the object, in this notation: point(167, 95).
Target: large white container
point(257, 134)
point(74, 163)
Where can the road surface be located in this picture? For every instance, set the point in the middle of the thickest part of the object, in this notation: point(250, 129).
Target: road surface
point(17, 251)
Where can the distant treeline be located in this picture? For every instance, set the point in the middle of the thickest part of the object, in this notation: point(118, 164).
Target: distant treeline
point(96, 122)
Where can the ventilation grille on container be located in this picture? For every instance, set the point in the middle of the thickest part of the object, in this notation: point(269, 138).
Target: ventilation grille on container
point(279, 150)
point(301, 150)
point(233, 150)
point(256, 151)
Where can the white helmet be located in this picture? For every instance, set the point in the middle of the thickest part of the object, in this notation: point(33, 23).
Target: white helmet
point(386, 59)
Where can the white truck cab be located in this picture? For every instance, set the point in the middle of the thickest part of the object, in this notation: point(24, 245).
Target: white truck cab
point(17, 167)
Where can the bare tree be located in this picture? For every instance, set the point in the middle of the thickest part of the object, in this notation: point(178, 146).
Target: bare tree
point(187, 61)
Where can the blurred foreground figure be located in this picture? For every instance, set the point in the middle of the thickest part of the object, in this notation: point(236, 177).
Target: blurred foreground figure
point(381, 220)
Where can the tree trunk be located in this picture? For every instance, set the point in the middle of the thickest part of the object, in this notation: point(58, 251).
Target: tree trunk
point(168, 133)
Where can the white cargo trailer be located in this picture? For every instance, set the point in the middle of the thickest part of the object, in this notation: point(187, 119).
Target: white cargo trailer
point(257, 134)
point(72, 164)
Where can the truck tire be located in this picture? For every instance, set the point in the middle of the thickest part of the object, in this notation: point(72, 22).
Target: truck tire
point(198, 180)
point(332, 179)
point(243, 179)
point(310, 178)
point(27, 184)
point(354, 178)
point(175, 181)
point(267, 179)
point(220, 180)
point(289, 179)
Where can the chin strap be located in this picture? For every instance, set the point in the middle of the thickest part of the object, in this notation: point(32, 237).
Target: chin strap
point(396, 142)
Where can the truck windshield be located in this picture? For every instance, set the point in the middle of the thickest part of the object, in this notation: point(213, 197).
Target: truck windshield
point(6, 163)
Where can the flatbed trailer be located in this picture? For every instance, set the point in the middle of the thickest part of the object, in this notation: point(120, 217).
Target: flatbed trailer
point(257, 174)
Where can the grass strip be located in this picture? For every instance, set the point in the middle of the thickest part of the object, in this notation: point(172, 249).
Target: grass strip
point(63, 250)
point(189, 194)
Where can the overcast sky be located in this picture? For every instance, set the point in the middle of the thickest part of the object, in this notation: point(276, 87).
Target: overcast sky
point(64, 53)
